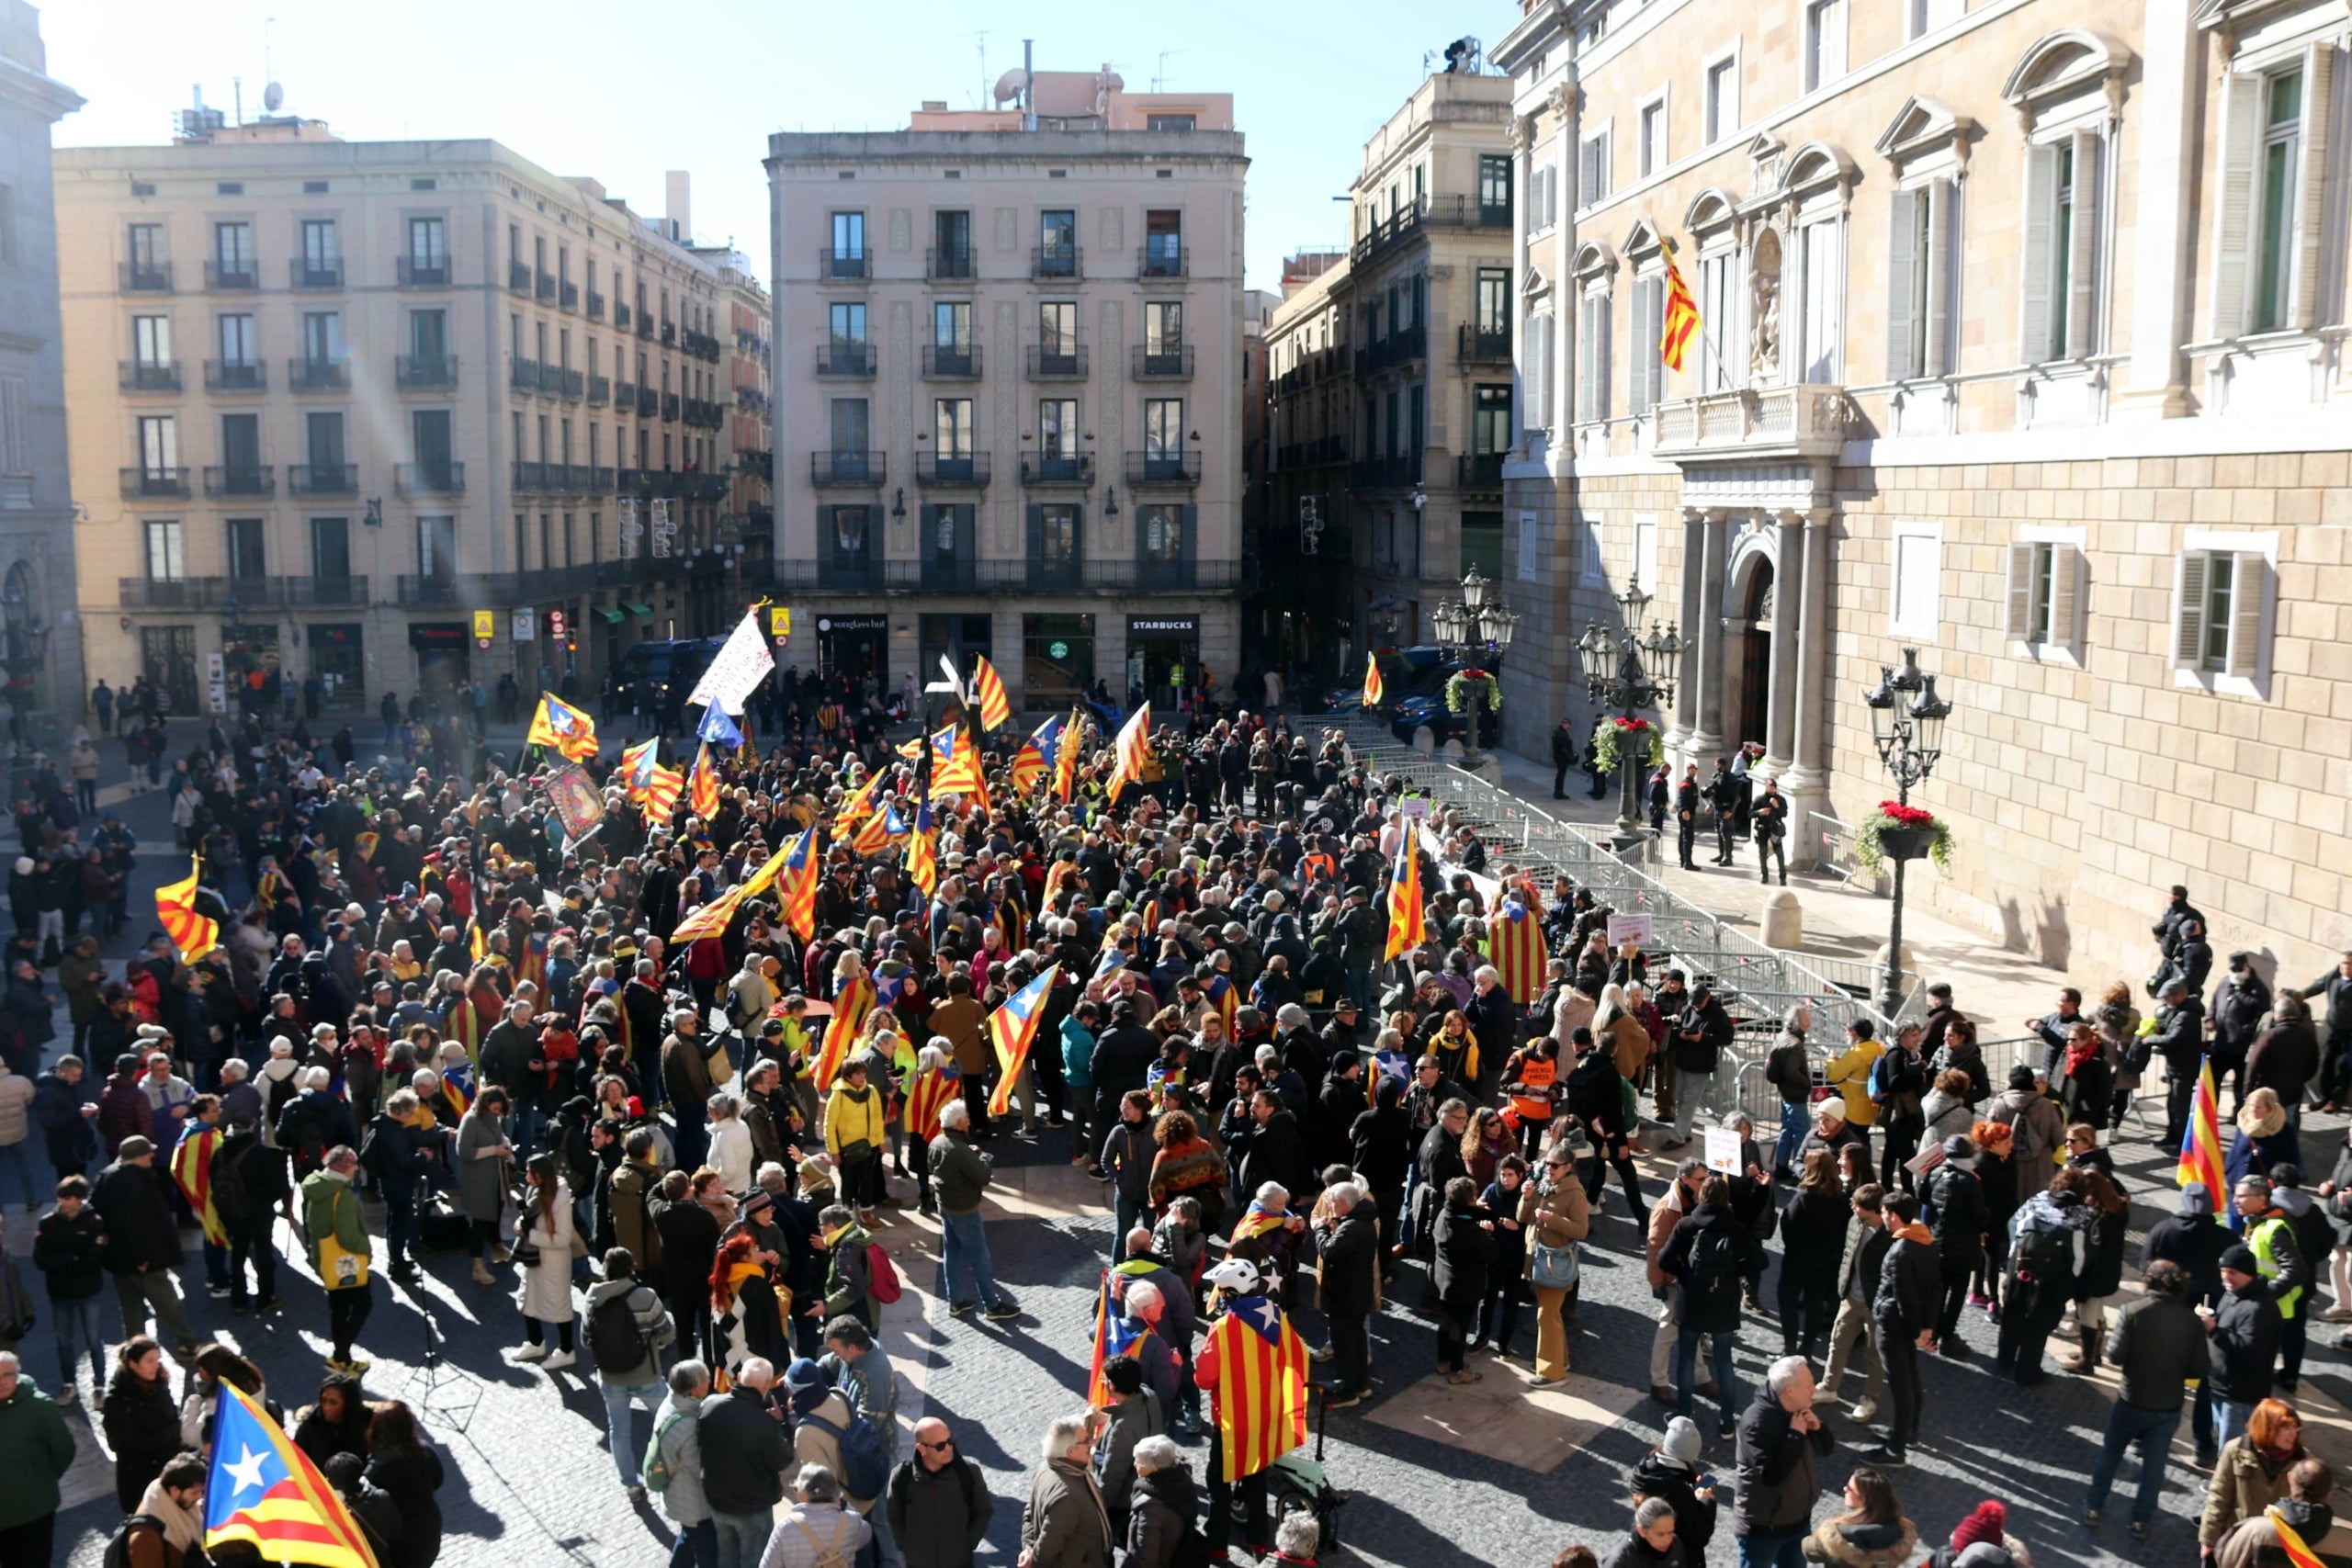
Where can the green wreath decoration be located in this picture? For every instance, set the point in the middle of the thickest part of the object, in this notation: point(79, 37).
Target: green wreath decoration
point(1459, 689)
point(1871, 857)
point(1608, 733)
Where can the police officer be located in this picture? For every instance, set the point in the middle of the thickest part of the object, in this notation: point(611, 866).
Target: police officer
point(1686, 814)
point(1726, 791)
point(1769, 821)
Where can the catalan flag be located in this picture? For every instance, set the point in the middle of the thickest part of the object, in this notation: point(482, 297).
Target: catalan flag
point(995, 709)
point(1260, 1385)
point(662, 788)
point(795, 885)
point(2290, 1542)
point(1407, 921)
point(1372, 687)
point(1681, 317)
point(849, 1008)
point(757, 883)
point(561, 727)
point(875, 835)
point(1057, 876)
point(1066, 757)
point(702, 787)
point(923, 853)
point(1260, 1220)
point(195, 935)
point(265, 1490)
point(1131, 752)
point(956, 765)
point(927, 1095)
point(1029, 762)
point(710, 919)
point(1225, 997)
point(1519, 954)
point(863, 803)
point(2200, 1146)
point(1010, 1029)
point(192, 1168)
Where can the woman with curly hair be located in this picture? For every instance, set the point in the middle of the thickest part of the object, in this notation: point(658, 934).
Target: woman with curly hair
point(1187, 1165)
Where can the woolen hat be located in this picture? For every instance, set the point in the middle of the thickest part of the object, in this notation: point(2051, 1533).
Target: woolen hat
point(1989, 1522)
point(133, 1146)
point(2240, 1257)
point(1959, 1146)
point(1682, 1440)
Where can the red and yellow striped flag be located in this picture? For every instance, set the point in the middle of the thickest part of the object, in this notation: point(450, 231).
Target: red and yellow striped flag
point(702, 788)
point(863, 803)
point(1681, 317)
point(995, 708)
point(1131, 752)
point(795, 885)
point(849, 1008)
point(1520, 953)
point(1011, 1029)
point(1260, 1393)
point(923, 853)
point(2201, 1150)
point(192, 1168)
point(1407, 921)
point(875, 835)
point(195, 935)
point(662, 791)
point(1371, 688)
point(710, 919)
point(1065, 758)
point(2291, 1541)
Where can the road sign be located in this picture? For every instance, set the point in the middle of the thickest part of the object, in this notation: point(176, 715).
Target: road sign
point(555, 625)
point(780, 623)
point(485, 627)
point(526, 625)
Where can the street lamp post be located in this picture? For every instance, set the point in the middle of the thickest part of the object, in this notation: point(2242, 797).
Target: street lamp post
point(1615, 676)
point(1910, 739)
point(1474, 627)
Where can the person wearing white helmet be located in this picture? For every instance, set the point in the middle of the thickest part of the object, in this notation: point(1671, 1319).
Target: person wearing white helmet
point(1258, 1416)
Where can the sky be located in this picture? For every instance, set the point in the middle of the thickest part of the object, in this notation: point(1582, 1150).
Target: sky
point(623, 92)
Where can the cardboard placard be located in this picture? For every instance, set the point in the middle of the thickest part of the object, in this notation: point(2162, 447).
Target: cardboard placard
point(1634, 929)
point(1722, 1150)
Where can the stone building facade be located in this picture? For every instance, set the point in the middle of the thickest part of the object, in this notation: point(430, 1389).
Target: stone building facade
point(2021, 346)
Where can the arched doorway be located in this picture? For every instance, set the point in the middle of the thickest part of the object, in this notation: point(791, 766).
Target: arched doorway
point(23, 638)
point(1753, 715)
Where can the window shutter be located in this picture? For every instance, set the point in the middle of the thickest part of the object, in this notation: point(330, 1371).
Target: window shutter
point(1037, 534)
point(2020, 593)
point(2234, 245)
point(2247, 586)
point(2083, 261)
point(1602, 319)
point(2066, 595)
point(1900, 259)
point(1077, 536)
point(2311, 201)
point(1588, 340)
point(1188, 544)
point(1943, 238)
point(2041, 188)
point(2189, 619)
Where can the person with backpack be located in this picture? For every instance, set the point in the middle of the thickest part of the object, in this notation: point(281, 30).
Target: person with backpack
point(939, 1508)
point(829, 1432)
point(1715, 1259)
point(818, 1530)
point(1910, 1286)
point(1898, 1087)
point(1598, 1098)
point(1962, 1218)
point(168, 1523)
point(628, 1328)
point(859, 1280)
point(673, 1468)
point(744, 1453)
point(248, 1185)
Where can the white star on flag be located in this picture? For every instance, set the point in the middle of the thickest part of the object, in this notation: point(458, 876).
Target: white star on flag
point(247, 1471)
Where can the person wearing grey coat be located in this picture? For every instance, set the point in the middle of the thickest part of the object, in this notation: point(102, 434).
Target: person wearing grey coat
point(677, 1435)
point(1064, 1523)
point(485, 1167)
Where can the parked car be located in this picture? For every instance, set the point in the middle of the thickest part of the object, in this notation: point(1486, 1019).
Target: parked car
point(656, 675)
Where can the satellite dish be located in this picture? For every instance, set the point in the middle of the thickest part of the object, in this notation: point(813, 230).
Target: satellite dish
point(1010, 85)
point(272, 97)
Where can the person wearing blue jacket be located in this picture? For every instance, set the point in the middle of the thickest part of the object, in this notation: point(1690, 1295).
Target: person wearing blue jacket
point(1078, 1073)
point(397, 1158)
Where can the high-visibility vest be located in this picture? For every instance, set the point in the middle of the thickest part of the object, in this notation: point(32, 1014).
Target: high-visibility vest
point(1536, 1073)
point(2262, 1237)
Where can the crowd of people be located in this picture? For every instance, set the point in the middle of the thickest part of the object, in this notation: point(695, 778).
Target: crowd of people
point(437, 1023)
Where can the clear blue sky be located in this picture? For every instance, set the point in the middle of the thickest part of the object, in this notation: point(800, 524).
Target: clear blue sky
point(623, 92)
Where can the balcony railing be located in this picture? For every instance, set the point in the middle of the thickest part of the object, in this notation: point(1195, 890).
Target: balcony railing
point(146, 277)
point(1173, 363)
point(138, 377)
point(952, 471)
point(1400, 347)
point(1395, 472)
point(308, 273)
point(571, 385)
point(239, 593)
point(543, 285)
point(518, 277)
point(844, 357)
point(307, 593)
point(1075, 469)
point(1163, 468)
point(950, 362)
point(568, 296)
point(600, 391)
point(414, 272)
point(322, 478)
point(669, 332)
point(259, 479)
point(701, 346)
point(1486, 346)
point(950, 261)
point(600, 480)
point(1479, 470)
point(416, 372)
point(703, 487)
point(317, 374)
point(648, 402)
point(154, 481)
point(670, 406)
point(1065, 364)
point(430, 478)
point(1160, 261)
point(620, 315)
point(235, 376)
point(226, 277)
point(1064, 262)
point(832, 469)
point(844, 266)
point(531, 478)
point(624, 397)
point(866, 571)
point(1311, 454)
point(595, 306)
point(644, 324)
point(1807, 420)
point(523, 375)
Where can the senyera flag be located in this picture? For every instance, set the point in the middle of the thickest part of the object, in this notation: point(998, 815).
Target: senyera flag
point(1011, 1027)
point(192, 1168)
point(195, 935)
point(559, 726)
point(1131, 752)
point(265, 1490)
point(1065, 758)
point(1521, 954)
point(1372, 687)
point(710, 919)
point(1408, 923)
point(2200, 1147)
point(995, 708)
point(1682, 321)
point(662, 787)
point(702, 787)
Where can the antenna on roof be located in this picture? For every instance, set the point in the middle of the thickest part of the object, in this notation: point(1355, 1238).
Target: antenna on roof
point(1160, 77)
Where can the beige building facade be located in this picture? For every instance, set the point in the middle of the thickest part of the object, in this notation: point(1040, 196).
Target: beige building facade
point(332, 401)
point(2021, 346)
point(1008, 391)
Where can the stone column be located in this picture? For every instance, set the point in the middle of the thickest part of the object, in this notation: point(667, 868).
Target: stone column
point(1686, 690)
point(1707, 737)
point(1522, 167)
point(1788, 594)
point(1806, 783)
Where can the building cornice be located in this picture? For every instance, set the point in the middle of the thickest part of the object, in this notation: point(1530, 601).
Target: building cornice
point(29, 89)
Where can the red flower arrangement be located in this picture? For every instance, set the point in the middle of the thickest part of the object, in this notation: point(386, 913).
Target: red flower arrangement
point(1615, 731)
point(1631, 726)
point(1906, 815)
point(1892, 816)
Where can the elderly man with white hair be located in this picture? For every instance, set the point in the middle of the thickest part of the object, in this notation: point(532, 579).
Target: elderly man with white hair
point(1165, 1504)
point(1065, 1523)
point(1347, 1236)
point(961, 1173)
point(1781, 1443)
point(744, 1453)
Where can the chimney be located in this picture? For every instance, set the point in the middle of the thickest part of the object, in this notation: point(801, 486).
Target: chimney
point(679, 201)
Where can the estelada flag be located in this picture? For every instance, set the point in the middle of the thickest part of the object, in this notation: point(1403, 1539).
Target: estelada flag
point(1131, 752)
point(956, 765)
point(875, 835)
point(1113, 1337)
point(702, 787)
point(1260, 1390)
point(1408, 923)
point(1371, 681)
point(1011, 1027)
point(1029, 762)
point(195, 935)
point(1066, 757)
point(1521, 954)
point(1681, 317)
point(995, 709)
point(2200, 1151)
point(638, 764)
point(1225, 997)
point(849, 1008)
point(1260, 1220)
point(795, 885)
point(662, 787)
point(710, 919)
point(265, 1490)
point(559, 726)
point(192, 1168)
point(922, 854)
point(862, 804)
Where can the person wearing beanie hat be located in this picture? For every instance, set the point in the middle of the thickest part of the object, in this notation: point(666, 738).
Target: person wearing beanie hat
point(2243, 1334)
point(1987, 1523)
point(822, 1413)
point(1671, 1471)
point(1963, 1222)
point(2037, 1126)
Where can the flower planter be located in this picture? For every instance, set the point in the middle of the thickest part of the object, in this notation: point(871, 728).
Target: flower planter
point(1906, 843)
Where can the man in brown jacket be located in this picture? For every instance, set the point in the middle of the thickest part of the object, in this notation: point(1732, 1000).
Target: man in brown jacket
point(959, 1022)
point(1553, 1211)
point(1665, 1215)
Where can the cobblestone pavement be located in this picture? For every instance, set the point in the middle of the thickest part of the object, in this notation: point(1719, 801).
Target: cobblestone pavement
point(1437, 1476)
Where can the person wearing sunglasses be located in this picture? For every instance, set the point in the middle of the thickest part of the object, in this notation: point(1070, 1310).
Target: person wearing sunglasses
point(939, 1505)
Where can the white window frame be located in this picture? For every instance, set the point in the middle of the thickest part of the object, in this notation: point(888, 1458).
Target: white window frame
point(2244, 115)
point(1653, 153)
point(2246, 670)
point(1645, 370)
point(1823, 22)
point(1528, 540)
point(1535, 374)
point(1595, 166)
point(1646, 552)
point(2067, 642)
point(1715, 124)
point(1721, 296)
point(1911, 620)
point(1922, 304)
point(1593, 573)
point(1816, 300)
point(2039, 341)
point(1595, 305)
point(1921, 17)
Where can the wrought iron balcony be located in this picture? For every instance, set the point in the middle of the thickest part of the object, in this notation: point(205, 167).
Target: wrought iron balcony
point(1047, 470)
point(523, 375)
point(572, 385)
point(846, 358)
point(1482, 346)
point(644, 324)
point(669, 332)
point(1057, 262)
point(317, 374)
point(146, 277)
point(595, 306)
point(1067, 363)
point(950, 362)
point(945, 471)
point(624, 397)
point(418, 372)
point(174, 592)
point(319, 273)
point(1396, 472)
point(430, 478)
point(620, 315)
point(670, 408)
point(600, 391)
point(543, 285)
point(531, 478)
point(313, 593)
point(600, 482)
point(1164, 468)
point(518, 277)
point(950, 261)
point(322, 478)
point(414, 272)
point(235, 376)
point(231, 278)
point(1479, 470)
point(143, 482)
point(828, 470)
point(568, 296)
point(1171, 362)
point(1160, 261)
point(138, 377)
point(259, 479)
point(844, 266)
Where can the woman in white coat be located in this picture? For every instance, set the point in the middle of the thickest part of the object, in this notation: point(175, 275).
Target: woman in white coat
point(731, 1143)
point(546, 1224)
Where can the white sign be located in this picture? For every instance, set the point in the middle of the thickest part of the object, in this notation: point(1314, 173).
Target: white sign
point(214, 669)
point(1634, 929)
point(631, 530)
point(526, 625)
point(218, 699)
point(1722, 1150)
point(740, 666)
point(1414, 806)
point(665, 532)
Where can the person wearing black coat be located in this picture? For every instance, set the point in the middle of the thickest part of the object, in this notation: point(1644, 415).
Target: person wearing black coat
point(1715, 1259)
point(337, 1423)
point(1910, 1288)
point(1165, 1505)
point(1435, 1165)
point(2284, 1057)
point(1962, 1220)
point(1277, 1151)
point(1383, 1155)
point(1813, 1244)
point(142, 1243)
point(1330, 1130)
point(1564, 757)
point(938, 1503)
point(2179, 1039)
point(141, 1418)
point(1349, 1248)
point(2240, 1004)
point(402, 1463)
point(2243, 1343)
point(1463, 1245)
point(2193, 1238)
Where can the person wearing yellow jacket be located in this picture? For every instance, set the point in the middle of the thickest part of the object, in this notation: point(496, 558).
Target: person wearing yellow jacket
point(1850, 1074)
point(855, 1128)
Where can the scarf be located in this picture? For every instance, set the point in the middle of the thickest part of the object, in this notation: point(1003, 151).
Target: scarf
point(2080, 1052)
point(181, 1528)
point(736, 1275)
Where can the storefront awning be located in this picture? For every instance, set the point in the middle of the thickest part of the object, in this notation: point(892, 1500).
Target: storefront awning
point(609, 613)
point(643, 612)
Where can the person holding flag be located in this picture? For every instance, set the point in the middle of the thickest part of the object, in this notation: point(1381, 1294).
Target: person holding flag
point(192, 1173)
point(1254, 1365)
point(1013, 1029)
point(265, 1491)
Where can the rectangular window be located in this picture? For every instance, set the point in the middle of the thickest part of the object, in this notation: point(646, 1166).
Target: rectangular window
point(429, 431)
point(2059, 318)
point(146, 245)
point(951, 326)
point(1494, 189)
point(1927, 16)
point(849, 236)
point(850, 428)
point(1650, 141)
point(2045, 579)
point(1058, 328)
point(1057, 428)
point(232, 250)
point(1056, 660)
point(1057, 239)
point(247, 554)
point(1917, 568)
point(150, 340)
point(951, 428)
point(1493, 306)
point(331, 548)
point(1160, 534)
point(166, 552)
point(437, 546)
point(952, 232)
point(323, 336)
point(1646, 554)
point(1824, 42)
point(159, 445)
point(1820, 252)
point(1171, 121)
point(1164, 326)
point(1588, 538)
point(1722, 98)
point(1593, 358)
point(1164, 427)
point(1056, 549)
point(2280, 185)
point(428, 245)
point(1490, 417)
point(241, 448)
point(1718, 298)
point(1646, 373)
point(320, 252)
point(428, 333)
point(1592, 169)
point(325, 433)
point(847, 320)
point(1163, 243)
point(1482, 545)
